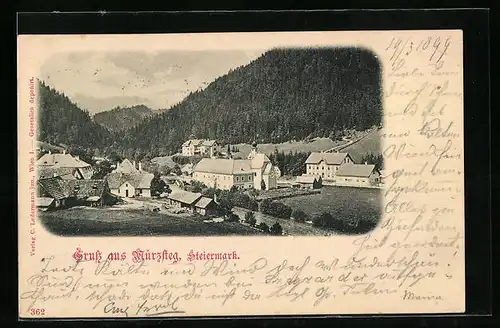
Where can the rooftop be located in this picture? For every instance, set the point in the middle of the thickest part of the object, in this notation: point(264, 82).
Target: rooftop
point(50, 172)
point(61, 160)
point(356, 170)
point(223, 166)
point(199, 142)
point(52, 187)
point(82, 189)
point(307, 179)
point(138, 180)
point(44, 201)
point(329, 158)
point(203, 202)
point(185, 197)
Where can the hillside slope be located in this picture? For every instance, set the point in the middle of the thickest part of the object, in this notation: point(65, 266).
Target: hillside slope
point(122, 118)
point(286, 94)
point(371, 144)
point(62, 122)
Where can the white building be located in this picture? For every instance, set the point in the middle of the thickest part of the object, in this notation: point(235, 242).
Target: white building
point(200, 147)
point(358, 175)
point(326, 165)
point(129, 180)
point(256, 172)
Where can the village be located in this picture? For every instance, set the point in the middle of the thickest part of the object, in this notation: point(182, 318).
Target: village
point(218, 188)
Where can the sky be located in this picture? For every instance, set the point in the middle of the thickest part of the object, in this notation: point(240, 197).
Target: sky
point(98, 81)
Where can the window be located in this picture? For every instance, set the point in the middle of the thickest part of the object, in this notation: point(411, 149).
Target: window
point(126, 185)
point(249, 178)
point(237, 179)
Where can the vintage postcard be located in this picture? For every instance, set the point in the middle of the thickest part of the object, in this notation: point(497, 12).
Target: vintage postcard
point(236, 174)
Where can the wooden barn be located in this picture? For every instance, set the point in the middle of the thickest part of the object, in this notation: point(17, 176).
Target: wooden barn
point(205, 206)
point(54, 193)
point(184, 199)
point(52, 188)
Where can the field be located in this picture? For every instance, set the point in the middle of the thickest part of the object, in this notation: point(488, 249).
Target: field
point(369, 144)
point(291, 227)
point(345, 203)
point(84, 221)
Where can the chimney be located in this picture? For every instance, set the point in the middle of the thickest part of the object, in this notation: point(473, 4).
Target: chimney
point(117, 165)
point(64, 151)
point(215, 198)
point(140, 166)
point(50, 153)
point(134, 165)
point(54, 174)
point(77, 156)
point(366, 163)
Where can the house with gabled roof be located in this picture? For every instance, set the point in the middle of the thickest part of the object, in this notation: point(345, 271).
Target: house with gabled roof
point(130, 184)
point(205, 206)
point(184, 199)
point(358, 175)
point(129, 180)
point(200, 147)
point(325, 164)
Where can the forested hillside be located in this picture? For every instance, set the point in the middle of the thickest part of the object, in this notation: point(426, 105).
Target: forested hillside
point(63, 122)
point(286, 94)
point(122, 118)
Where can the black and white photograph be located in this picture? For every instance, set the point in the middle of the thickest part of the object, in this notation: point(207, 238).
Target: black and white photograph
point(283, 141)
point(239, 174)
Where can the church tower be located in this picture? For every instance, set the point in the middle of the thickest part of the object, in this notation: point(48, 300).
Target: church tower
point(253, 152)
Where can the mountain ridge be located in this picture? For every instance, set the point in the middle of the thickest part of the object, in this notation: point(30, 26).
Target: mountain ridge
point(122, 118)
point(61, 121)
